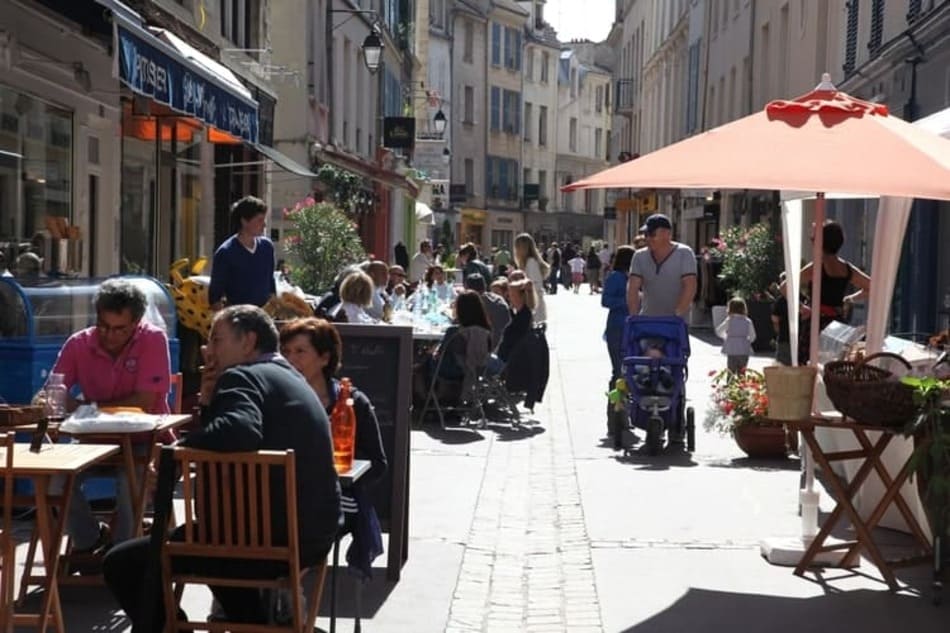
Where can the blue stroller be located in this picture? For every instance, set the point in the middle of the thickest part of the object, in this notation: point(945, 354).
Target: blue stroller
point(656, 350)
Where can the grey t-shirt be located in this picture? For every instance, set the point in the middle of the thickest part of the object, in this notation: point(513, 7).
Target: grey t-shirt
point(661, 281)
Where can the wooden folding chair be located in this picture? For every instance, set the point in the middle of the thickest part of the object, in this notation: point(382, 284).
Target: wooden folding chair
point(7, 541)
point(235, 490)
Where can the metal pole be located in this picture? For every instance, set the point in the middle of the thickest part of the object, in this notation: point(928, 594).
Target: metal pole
point(328, 36)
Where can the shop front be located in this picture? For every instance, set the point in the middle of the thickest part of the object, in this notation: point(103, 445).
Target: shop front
point(504, 226)
point(471, 227)
point(58, 188)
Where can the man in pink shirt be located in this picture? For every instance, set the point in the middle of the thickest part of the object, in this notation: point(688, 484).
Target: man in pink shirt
point(122, 360)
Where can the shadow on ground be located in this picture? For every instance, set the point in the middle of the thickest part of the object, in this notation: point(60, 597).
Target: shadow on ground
point(701, 610)
point(671, 457)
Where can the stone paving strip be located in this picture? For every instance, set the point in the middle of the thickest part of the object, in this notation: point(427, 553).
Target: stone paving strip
point(527, 561)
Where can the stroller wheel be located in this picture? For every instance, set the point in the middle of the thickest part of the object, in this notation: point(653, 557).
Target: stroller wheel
point(654, 435)
point(690, 430)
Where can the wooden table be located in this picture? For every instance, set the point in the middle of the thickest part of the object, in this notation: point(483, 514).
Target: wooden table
point(870, 454)
point(65, 460)
point(125, 459)
point(359, 468)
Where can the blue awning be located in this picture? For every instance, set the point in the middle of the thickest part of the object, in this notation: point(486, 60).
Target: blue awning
point(156, 63)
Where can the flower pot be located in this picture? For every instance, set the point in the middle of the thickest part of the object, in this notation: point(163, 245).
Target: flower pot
point(761, 441)
point(790, 391)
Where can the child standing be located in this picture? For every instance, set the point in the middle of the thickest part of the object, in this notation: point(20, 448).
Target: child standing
point(738, 332)
point(577, 264)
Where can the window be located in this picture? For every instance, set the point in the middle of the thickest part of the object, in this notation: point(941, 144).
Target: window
point(715, 17)
point(539, 15)
point(725, 15)
point(731, 113)
point(527, 121)
point(469, 41)
point(526, 175)
point(783, 46)
point(877, 25)
point(468, 113)
point(36, 148)
point(501, 178)
point(913, 10)
point(529, 64)
point(512, 49)
point(599, 99)
point(511, 112)
point(495, 108)
point(598, 143)
point(469, 176)
point(572, 135)
point(437, 13)
point(851, 37)
point(239, 22)
point(545, 63)
point(765, 70)
point(542, 184)
point(543, 125)
point(573, 82)
point(495, 44)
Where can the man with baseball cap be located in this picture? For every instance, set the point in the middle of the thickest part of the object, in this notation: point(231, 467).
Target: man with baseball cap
point(662, 278)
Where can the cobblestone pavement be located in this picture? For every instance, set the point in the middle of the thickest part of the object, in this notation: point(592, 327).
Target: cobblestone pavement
point(527, 561)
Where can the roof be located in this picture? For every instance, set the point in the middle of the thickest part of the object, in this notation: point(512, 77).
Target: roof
point(546, 36)
point(471, 7)
point(510, 5)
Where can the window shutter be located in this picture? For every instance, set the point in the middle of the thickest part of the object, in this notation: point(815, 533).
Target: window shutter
point(517, 50)
point(851, 37)
point(489, 176)
point(503, 184)
point(495, 108)
point(517, 104)
point(496, 44)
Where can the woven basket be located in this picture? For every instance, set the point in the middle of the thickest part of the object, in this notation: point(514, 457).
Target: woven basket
point(790, 391)
point(867, 394)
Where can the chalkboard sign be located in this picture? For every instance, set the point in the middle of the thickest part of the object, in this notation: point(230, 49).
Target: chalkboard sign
point(378, 359)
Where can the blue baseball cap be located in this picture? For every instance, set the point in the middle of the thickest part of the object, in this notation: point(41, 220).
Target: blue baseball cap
point(656, 221)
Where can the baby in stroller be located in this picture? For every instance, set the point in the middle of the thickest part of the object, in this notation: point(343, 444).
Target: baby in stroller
point(655, 354)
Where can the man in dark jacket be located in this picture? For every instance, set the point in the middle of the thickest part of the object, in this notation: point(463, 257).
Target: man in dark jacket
point(251, 399)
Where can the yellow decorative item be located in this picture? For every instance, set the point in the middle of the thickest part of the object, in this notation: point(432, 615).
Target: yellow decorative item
point(618, 396)
point(191, 296)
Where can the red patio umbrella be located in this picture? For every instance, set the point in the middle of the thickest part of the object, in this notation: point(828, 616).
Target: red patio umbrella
point(823, 141)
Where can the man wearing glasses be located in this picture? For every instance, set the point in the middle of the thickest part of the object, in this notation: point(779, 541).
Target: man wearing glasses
point(121, 361)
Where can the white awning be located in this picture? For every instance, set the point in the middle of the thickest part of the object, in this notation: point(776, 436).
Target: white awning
point(424, 214)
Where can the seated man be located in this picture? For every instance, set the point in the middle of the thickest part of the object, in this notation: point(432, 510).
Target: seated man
point(251, 399)
point(495, 307)
point(122, 360)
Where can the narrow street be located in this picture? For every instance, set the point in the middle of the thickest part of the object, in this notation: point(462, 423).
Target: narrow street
point(549, 529)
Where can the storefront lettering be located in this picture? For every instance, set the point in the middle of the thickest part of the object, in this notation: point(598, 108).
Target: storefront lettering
point(198, 99)
point(239, 121)
point(144, 72)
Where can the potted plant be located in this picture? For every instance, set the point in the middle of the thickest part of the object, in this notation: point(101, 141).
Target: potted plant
point(930, 461)
point(322, 241)
point(738, 406)
point(751, 263)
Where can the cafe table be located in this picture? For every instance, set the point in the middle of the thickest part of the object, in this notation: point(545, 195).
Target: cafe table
point(359, 468)
point(52, 460)
point(128, 461)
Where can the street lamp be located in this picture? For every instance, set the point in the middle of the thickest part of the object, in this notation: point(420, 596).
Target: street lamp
point(446, 156)
point(439, 122)
point(372, 51)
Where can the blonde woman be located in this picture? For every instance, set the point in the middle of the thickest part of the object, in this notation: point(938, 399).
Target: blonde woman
point(535, 269)
point(356, 293)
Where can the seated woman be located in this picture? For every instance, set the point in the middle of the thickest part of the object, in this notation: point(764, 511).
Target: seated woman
point(466, 344)
point(313, 346)
point(435, 282)
point(521, 296)
point(356, 294)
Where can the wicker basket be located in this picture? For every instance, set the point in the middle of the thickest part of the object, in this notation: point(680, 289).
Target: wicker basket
point(867, 394)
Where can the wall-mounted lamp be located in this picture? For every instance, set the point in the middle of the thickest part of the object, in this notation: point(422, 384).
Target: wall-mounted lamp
point(372, 50)
point(439, 122)
point(446, 156)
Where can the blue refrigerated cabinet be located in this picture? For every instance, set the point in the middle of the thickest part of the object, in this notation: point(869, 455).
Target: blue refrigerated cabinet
point(38, 315)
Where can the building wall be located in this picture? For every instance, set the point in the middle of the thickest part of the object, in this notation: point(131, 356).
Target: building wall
point(729, 36)
point(468, 128)
point(540, 160)
point(664, 76)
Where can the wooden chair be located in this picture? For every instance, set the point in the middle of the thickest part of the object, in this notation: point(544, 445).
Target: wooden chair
point(238, 528)
point(7, 541)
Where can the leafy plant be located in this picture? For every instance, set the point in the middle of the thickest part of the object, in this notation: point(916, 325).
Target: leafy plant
point(341, 186)
point(931, 458)
point(751, 260)
point(322, 242)
point(736, 400)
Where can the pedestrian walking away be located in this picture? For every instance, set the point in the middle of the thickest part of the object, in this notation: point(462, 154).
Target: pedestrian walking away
point(739, 332)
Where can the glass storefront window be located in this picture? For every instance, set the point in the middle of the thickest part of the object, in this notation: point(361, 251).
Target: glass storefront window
point(36, 175)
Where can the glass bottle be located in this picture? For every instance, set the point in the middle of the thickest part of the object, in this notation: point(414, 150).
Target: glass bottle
point(56, 395)
point(343, 428)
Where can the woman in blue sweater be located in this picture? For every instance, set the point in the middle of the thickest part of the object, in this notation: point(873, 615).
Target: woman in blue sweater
point(614, 298)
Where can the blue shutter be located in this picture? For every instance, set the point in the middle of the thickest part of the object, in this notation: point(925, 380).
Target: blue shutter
point(489, 180)
point(518, 105)
point(507, 47)
point(495, 108)
point(503, 180)
point(496, 44)
point(518, 50)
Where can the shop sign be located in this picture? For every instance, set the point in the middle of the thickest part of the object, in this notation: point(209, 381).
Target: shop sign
point(399, 132)
point(475, 216)
point(503, 220)
point(627, 205)
point(440, 197)
point(149, 71)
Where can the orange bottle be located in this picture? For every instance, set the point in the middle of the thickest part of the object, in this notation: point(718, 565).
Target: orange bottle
point(343, 428)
